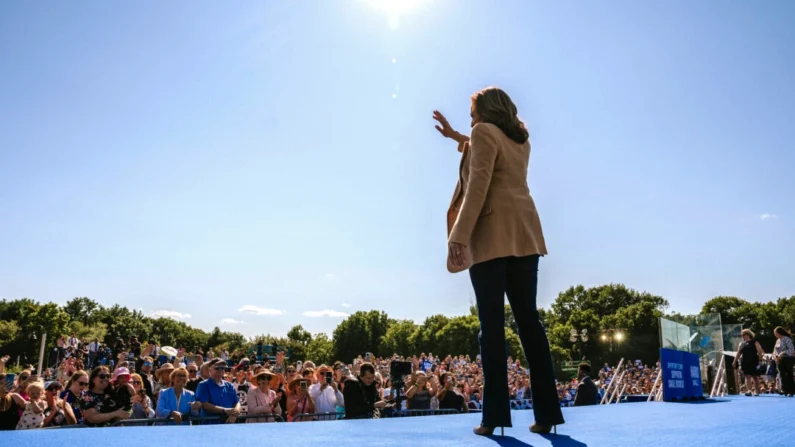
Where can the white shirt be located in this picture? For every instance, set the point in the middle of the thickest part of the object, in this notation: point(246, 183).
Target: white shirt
point(71, 342)
point(93, 347)
point(326, 401)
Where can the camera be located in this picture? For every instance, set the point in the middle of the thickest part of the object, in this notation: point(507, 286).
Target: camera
point(397, 371)
point(329, 377)
point(303, 384)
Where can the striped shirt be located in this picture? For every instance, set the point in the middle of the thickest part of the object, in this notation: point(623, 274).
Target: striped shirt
point(784, 345)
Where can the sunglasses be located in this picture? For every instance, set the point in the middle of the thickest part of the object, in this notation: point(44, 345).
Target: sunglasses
point(219, 368)
point(290, 371)
point(147, 364)
point(103, 376)
point(82, 383)
point(136, 382)
point(192, 371)
point(23, 378)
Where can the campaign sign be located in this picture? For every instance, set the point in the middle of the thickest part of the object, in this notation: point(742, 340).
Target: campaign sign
point(673, 374)
point(694, 387)
point(681, 375)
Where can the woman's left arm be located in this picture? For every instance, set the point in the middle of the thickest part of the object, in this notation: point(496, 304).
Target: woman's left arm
point(71, 419)
point(759, 351)
point(483, 155)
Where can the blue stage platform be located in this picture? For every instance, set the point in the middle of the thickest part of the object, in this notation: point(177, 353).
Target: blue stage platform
point(767, 421)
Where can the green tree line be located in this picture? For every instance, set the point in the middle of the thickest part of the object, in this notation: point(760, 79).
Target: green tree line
point(597, 310)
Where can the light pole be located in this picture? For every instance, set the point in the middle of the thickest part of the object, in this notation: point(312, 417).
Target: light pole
point(582, 337)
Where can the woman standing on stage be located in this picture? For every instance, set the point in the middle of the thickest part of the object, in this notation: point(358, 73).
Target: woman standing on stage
point(495, 232)
point(749, 354)
point(784, 355)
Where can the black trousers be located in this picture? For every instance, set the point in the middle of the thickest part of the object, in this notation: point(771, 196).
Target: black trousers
point(518, 279)
point(785, 369)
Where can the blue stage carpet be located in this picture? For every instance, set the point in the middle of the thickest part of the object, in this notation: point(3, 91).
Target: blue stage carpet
point(767, 421)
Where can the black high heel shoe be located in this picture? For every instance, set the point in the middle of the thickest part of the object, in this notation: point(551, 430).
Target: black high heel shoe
point(487, 431)
point(544, 429)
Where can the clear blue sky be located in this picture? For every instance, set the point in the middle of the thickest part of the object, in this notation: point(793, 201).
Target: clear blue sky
point(199, 157)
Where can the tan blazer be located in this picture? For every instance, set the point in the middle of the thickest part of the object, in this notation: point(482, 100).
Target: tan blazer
point(492, 211)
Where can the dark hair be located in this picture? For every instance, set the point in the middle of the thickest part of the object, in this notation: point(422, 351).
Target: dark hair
point(586, 368)
point(94, 373)
point(494, 106)
point(365, 368)
point(781, 331)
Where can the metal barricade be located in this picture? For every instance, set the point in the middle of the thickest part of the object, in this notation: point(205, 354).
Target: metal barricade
point(270, 417)
point(305, 417)
point(140, 422)
point(414, 413)
point(60, 427)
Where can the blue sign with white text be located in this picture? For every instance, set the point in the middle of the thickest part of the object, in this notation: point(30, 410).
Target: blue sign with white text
point(681, 375)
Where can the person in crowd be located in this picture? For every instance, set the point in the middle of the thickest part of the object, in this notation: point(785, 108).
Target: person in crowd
point(72, 342)
point(784, 354)
point(218, 397)
point(23, 380)
point(33, 415)
point(325, 391)
point(587, 393)
point(204, 374)
point(135, 347)
point(360, 395)
point(494, 230)
point(162, 379)
point(242, 384)
point(194, 378)
point(61, 347)
point(144, 367)
point(142, 405)
point(299, 401)
point(420, 392)
point(73, 392)
point(450, 397)
point(11, 404)
point(121, 391)
point(262, 400)
point(58, 412)
point(96, 404)
point(93, 351)
point(308, 374)
point(290, 373)
point(749, 355)
point(177, 402)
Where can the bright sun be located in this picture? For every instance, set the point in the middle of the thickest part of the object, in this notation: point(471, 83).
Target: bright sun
point(395, 9)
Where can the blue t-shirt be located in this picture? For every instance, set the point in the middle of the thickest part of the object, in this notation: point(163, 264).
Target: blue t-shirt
point(224, 395)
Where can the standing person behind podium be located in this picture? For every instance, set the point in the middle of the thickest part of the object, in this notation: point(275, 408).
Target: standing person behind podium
point(494, 230)
point(749, 355)
point(587, 393)
point(361, 396)
point(784, 355)
point(218, 397)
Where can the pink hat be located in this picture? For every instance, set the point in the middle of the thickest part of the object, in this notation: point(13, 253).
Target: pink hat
point(120, 372)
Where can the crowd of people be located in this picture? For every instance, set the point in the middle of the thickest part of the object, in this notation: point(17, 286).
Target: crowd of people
point(95, 385)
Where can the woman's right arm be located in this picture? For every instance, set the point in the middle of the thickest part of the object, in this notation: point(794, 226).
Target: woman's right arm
point(93, 417)
point(162, 410)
